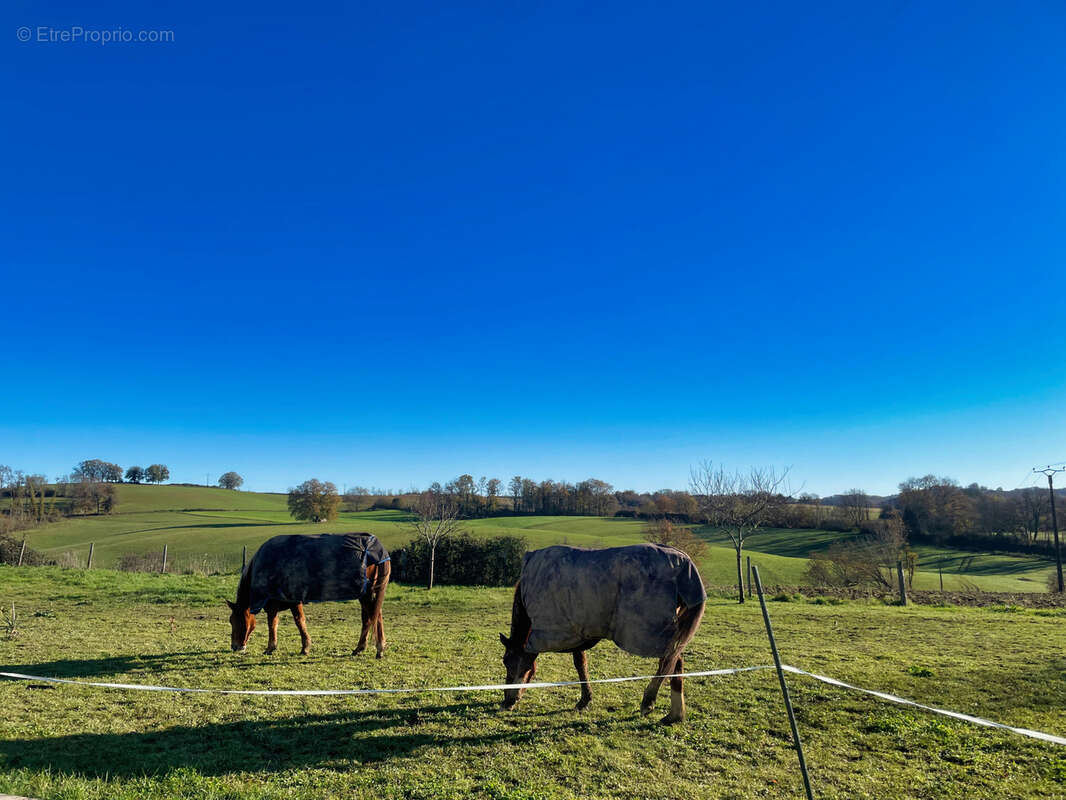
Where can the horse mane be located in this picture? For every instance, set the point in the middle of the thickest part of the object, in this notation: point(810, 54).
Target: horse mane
point(244, 589)
point(521, 624)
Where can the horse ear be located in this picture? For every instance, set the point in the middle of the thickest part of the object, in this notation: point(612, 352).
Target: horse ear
point(505, 641)
point(232, 605)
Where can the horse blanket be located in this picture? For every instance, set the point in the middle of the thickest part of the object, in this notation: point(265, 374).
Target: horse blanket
point(309, 569)
point(629, 595)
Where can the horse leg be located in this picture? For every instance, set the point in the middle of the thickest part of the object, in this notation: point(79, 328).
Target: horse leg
point(365, 606)
point(379, 621)
point(666, 666)
point(301, 626)
point(677, 695)
point(272, 627)
point(581, 663)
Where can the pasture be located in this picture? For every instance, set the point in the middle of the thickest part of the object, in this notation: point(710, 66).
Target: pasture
point(210, 526)
point(1005, 664)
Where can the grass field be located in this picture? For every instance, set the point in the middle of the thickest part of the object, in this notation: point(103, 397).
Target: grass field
point(69, 742)
point(195, 522)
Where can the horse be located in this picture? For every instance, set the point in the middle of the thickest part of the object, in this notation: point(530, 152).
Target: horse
point(289, 571)
point(646, 598)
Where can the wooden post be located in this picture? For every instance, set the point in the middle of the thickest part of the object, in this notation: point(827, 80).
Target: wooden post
point(164, 568)
point(22, 551)
point(784, 688)
point(941, 568)
point(749, 577)
point(902, 585)
point(244, 557)
point(89, 565)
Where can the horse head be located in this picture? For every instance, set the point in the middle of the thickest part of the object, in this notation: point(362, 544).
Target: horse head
point(241, 623)
point(521, 667)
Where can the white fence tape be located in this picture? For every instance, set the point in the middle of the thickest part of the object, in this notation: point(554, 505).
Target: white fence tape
point(404, 690)
point(1045, 737)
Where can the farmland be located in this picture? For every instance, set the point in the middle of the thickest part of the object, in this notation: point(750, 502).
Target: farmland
point(68, 742)
point(212, 525)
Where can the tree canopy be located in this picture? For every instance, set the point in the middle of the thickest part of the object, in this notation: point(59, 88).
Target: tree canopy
point(314, 500)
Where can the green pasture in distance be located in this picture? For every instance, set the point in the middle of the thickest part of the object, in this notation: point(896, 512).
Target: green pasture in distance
point(151, 516)
point(1003, 664)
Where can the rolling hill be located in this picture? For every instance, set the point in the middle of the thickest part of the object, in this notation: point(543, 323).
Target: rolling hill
point(208, 527)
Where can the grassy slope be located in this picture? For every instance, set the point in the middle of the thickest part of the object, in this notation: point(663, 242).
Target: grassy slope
point(101, 625)
point(197, 520)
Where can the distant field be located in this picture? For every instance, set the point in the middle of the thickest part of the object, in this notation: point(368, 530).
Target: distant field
point(198, 522)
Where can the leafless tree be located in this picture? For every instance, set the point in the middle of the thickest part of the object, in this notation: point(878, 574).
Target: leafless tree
point(436, 517)
point(855, 504)
point(737, 502)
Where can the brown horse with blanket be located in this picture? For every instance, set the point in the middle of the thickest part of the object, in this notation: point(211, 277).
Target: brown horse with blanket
point(288, 571)
point(647, 599)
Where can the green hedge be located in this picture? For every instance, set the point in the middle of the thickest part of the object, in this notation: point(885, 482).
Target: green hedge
point(462, 560)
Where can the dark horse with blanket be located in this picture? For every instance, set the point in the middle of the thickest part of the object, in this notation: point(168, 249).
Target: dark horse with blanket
point(645, 598)
point(288, 571)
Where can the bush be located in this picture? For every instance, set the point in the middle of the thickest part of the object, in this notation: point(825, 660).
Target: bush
point(462, 560)
point(9, 553)
point(836, 525)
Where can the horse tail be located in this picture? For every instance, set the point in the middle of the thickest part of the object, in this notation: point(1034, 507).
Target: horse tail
point(688, 622)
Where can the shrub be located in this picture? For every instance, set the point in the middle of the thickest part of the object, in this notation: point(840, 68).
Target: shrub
point(663, 531)
point(836, 525)
point(462, 560)
point(9, 553)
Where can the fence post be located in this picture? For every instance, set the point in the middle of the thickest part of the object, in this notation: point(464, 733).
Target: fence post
point(749, 578)
point(244, 557)
point(164, 567)
point(784, 688)
point(902, 585)
point(941, 568)
point(22, 551)
point(89, 565)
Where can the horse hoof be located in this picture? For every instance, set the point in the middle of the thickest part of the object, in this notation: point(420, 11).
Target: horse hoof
point(645, 710)
point(358, 650)
point(269, 650)
point(581, 705)
point(671, 719)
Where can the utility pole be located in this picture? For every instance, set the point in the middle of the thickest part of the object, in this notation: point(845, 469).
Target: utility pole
point(1050, 472)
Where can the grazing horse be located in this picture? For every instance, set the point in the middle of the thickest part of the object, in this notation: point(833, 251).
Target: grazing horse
point(288, 571)
point(646, 598)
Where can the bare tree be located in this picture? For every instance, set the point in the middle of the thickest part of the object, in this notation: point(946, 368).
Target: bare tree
point(436, 517)
point(357, 498)
point(737, 503)
point(856, 506)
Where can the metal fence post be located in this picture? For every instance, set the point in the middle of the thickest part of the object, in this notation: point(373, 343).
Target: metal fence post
point(784, 687)
point(164, 567)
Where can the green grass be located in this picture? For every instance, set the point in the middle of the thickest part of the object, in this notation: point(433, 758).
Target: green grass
point(71, 742)
point(198, 521)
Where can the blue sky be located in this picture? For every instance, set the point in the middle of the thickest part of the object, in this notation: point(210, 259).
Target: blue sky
point(387, 244)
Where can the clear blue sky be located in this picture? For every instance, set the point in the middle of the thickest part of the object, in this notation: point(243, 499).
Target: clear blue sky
point(385, 244)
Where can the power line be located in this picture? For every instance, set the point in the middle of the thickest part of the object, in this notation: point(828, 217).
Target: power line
point(1050, 471)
